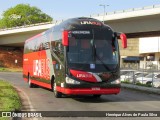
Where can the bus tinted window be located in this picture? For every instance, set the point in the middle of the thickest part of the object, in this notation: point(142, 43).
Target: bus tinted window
point(58, 49)
point(96, 48)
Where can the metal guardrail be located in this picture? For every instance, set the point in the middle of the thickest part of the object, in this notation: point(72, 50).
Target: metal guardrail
point(31, 25)
point(25, 26)
point(130, 76)
point(128, 10)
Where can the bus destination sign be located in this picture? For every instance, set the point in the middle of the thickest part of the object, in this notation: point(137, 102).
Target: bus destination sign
point(90, 23)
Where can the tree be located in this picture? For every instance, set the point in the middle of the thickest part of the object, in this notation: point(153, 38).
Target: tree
point(23, 14)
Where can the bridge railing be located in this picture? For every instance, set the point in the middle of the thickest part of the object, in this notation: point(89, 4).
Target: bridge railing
point(128, 10)
point(32, 25)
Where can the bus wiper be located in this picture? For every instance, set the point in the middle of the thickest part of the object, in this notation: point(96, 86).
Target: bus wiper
point(96, 56)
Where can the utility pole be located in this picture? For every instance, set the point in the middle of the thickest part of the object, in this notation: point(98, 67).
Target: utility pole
point(104, 10)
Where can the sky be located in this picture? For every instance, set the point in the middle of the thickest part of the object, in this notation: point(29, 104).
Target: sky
point(64, 9)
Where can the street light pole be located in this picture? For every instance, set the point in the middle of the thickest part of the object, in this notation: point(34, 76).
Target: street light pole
point(158, 55)
point(104, 8)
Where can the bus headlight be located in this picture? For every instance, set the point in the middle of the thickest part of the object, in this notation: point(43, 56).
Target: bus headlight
point(71, 81)
point(116, 81)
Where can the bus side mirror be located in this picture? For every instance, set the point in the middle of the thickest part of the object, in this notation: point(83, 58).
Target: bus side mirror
point(124, 40)
point(65, 38)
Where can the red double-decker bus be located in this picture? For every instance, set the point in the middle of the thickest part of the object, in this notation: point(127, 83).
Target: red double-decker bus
point(80, 56)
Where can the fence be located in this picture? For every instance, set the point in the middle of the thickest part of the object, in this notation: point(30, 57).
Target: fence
point(142, 77)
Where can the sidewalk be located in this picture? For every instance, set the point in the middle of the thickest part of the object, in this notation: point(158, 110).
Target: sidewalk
point(141, 88)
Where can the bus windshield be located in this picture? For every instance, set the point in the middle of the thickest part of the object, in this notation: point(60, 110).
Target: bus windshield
point(94, 52)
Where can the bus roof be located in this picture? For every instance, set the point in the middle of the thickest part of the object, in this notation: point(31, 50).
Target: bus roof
point(80, 22)
point(75, 23)
point(33, 37)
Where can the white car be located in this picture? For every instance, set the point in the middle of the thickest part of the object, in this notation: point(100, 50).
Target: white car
point(156, 83)
point(147, 79)
point(128, 76)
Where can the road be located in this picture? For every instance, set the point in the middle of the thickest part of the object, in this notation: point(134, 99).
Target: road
point(43, 100)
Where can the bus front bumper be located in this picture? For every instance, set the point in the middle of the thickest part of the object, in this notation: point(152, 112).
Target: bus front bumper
point(88, 91)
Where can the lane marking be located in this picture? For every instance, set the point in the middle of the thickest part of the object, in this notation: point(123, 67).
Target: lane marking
point(31, 108)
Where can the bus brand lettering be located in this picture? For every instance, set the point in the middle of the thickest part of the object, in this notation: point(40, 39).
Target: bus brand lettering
point(41, 68)
point(90, 23)
point(84, 76)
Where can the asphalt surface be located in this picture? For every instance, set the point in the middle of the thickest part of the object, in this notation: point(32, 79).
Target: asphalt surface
point(41, 99)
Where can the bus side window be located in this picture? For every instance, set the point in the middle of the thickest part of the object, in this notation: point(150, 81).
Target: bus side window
point(72, 45)
point(41, 47)
point(53, 46)
point(57, 46)
point(36, 44)
point(59, 50)
point(26, 48)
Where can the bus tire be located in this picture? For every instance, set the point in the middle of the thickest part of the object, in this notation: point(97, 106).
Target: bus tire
point(56, 93)
point(31, 85)
point(96, 96)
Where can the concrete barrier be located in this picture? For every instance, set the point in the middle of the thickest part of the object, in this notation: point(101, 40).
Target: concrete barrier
point(141, 88)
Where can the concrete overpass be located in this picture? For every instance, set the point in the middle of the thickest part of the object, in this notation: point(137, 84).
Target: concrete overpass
point(136, 22)
point(17, 35)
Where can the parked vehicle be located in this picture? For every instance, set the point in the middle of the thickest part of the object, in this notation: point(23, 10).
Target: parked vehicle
point(128, 75)
point(147, 79)
point(156, 81)
point(140, 76)
point(123, 72)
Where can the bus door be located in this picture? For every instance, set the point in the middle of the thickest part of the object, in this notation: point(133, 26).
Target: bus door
point(58, 61)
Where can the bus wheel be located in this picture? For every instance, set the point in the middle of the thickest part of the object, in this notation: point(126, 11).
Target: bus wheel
point(29, 82)
point(96, 96)
point(56, 93)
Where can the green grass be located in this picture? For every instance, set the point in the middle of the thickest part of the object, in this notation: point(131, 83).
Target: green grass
point(145, 85)
point(9, 99)
point(139, 84)
point(126, 81)
point(2, 69)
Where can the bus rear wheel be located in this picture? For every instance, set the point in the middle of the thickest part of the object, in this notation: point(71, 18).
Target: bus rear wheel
point(56, 93)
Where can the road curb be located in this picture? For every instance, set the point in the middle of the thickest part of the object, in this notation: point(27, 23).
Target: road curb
point(26, 104)
point(141, 88)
